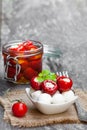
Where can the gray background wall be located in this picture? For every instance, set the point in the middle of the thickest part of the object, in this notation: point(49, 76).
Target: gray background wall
point(51, 21)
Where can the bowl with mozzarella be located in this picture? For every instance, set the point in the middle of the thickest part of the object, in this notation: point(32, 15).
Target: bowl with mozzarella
point(51, 96)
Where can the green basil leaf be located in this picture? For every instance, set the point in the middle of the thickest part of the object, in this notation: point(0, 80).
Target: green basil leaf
point(40, 79)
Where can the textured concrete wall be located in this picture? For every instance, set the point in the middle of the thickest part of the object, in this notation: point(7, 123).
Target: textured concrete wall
point(51, 21)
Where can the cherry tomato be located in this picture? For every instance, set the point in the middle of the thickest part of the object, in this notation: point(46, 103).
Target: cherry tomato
point(35, 83)
point(64, 83)
point(49, 86)
point(27, 44)
point(19, 109)
point(29, 73)
point(20, 47)
point(11, 72)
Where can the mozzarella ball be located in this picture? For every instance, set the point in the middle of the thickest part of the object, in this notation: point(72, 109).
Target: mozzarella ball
point(35, 95)
point(58, 99)
point(68, 95)
point(45, 98)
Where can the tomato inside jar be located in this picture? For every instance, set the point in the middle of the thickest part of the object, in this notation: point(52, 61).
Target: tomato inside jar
point(22, 60)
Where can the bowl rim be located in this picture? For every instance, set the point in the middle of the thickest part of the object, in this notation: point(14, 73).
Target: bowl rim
point(39, 102)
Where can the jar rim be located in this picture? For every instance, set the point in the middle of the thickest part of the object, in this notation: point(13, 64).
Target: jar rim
point(8, 44)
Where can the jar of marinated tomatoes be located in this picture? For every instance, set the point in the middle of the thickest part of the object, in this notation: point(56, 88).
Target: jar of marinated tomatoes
point(22, 60)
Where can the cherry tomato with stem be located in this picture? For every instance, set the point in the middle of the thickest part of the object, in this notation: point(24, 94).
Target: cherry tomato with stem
point(19, 108)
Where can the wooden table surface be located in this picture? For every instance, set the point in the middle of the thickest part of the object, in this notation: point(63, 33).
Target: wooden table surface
point(62, 23)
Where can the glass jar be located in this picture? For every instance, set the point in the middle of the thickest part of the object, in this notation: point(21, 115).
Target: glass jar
point(21, 63)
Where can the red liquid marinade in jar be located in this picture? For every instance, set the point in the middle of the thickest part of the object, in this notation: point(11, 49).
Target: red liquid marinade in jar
point(22, 60)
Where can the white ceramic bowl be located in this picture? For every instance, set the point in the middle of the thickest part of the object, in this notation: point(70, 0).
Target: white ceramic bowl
point(50, 108)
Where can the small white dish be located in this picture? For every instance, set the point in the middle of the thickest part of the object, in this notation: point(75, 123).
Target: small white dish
point(50, 108)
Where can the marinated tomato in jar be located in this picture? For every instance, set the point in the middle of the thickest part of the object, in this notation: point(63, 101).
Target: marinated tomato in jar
point(22, 60)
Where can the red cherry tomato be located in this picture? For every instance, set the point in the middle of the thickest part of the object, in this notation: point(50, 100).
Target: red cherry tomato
point(29, 73)
point(64, 83)
point(19, 109)
point(20, 47)
point(27, 44)
point(11, 72)
point(49, 86)
point(35, 84)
